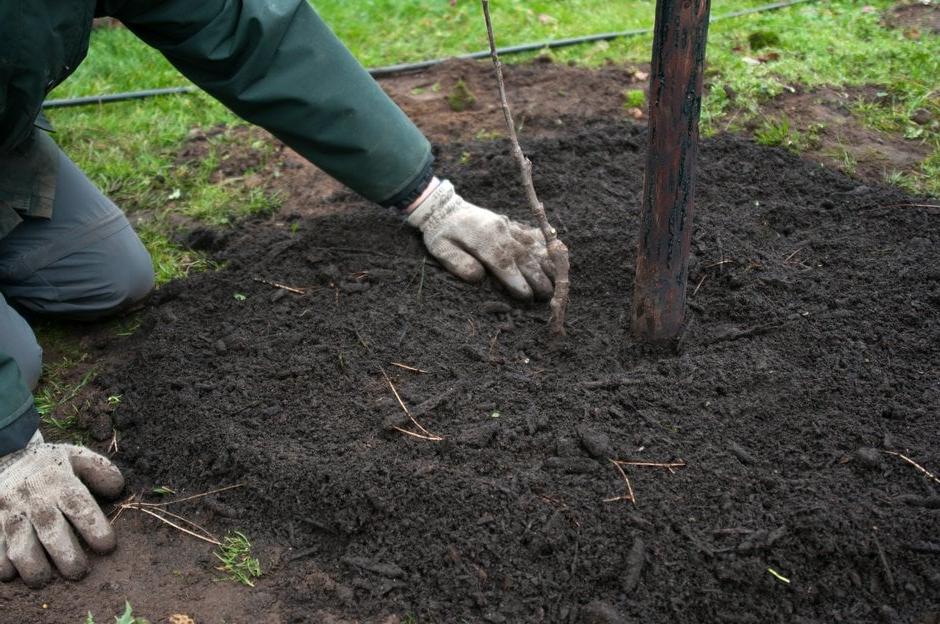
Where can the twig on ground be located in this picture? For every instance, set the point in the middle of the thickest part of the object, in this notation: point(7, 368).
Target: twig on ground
point(718, 264)
point(699, 285)
point(931, 475)
point(427, 435)
point(138, 506)
point(176, 526)
point(790, 257)
point(668, 466)
point(113, 446)
point(557, 251)
point(418, 435)
point(629, 496)
point(193, 497)
point(409, 368)
point(299, 291)
point(912, 206)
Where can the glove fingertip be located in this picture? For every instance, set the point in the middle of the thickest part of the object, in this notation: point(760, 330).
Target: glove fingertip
point(97, 472)
point(7, 571)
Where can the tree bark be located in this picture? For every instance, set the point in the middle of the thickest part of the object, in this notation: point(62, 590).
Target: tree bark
point(666, 219)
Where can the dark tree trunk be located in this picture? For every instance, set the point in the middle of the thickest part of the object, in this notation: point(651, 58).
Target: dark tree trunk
point(666, 219)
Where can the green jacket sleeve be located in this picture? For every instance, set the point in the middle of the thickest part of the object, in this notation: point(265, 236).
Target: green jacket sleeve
point(276, 64)
point(18, 417)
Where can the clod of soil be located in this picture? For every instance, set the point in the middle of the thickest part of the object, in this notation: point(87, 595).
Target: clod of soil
point(813, 341)
point(914, 18)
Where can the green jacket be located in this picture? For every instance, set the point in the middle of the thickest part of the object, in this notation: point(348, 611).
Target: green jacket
point(272, 62)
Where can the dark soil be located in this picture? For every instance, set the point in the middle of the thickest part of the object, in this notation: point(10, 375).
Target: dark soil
point(812, 349)
point(915, 18)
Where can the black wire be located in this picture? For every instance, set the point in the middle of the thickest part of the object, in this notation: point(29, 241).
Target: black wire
point(402, 68)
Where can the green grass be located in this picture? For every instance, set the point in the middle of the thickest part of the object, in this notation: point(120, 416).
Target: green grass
point(634, 98)
point(238, 564)
point(57, 397)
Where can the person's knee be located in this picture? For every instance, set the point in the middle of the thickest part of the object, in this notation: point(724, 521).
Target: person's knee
point(102, 279)
point(30, 363)
point(19, 342)
point(135, 278)
point(126, 278)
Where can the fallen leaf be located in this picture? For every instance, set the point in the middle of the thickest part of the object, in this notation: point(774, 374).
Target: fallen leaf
point(750, 61)
point(546, 19)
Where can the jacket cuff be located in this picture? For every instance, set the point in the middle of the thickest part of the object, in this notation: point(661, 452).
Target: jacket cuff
point(413, 190)
point(17, 434)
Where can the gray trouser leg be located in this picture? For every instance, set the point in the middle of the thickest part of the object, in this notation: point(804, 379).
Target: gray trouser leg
point(17, 340)
point(83, 263)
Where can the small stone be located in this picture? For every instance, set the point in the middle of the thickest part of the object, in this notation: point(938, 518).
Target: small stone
point(867, 457)
point(921, 117)
point(597, 444)
point(220, 346)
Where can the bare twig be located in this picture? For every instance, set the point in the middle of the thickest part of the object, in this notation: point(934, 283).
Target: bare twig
point(193, 497)
point(205, 531)
point(915, 464)
point(408, 368)
point(557, 251)
point(668, 466)
point(700, 282)
point(629, 496)
point(174, 525)
point(299, 291)
point(418, 435)
point(678, 464)
point(427, 434)
point(790, 257)
point(912, 206)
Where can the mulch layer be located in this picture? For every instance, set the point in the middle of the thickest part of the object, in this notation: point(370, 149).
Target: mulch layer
point(809, 366)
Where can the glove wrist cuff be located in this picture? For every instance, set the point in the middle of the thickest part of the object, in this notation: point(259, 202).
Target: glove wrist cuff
point(434, 208)
point(8, 460)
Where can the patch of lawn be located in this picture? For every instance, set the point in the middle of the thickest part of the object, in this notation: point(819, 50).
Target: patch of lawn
point(58, 400)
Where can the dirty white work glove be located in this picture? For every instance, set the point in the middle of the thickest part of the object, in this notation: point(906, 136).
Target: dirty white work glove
point(466, 238)
point(42, 498)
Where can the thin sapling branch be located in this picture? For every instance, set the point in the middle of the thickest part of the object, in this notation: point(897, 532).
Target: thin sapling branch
point(557, 251)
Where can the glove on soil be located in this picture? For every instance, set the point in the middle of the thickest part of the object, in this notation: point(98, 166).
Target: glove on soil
point(466, 238)
point(41, 493)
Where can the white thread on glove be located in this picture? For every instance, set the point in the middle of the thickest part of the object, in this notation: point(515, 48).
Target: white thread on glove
point(44, 492)
point(468, 240)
